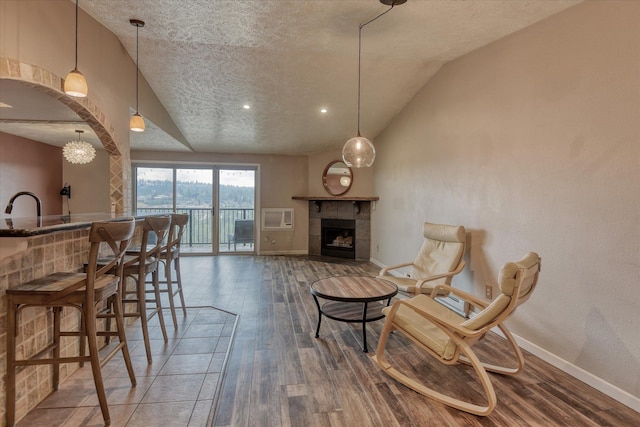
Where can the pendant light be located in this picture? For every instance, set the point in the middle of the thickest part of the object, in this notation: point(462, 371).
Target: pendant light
point(136, 123)
point(359, 152)
point(78, 152)
point(75, 84)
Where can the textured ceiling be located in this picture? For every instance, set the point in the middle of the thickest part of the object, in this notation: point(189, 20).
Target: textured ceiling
point(205, 59)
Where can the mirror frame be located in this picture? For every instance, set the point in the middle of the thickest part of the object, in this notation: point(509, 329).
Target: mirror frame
point(332, 190)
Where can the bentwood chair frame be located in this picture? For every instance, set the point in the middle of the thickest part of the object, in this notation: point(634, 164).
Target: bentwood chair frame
point(84, 292)
point(449, 337)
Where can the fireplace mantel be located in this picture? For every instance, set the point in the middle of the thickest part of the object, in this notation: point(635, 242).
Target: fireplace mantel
point(355, 199)
point(338, 198)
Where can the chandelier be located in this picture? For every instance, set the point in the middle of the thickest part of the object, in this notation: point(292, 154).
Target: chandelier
point(78, 152)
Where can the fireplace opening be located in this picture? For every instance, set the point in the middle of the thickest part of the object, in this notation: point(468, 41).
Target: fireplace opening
point(338, 238)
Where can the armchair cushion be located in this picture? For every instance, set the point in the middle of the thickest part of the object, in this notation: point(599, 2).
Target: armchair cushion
point(439, 258)
point(424, 330)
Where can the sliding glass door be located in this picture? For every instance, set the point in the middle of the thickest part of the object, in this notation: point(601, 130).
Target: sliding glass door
point(197, 191)
point(194, 196)
point(236, 195)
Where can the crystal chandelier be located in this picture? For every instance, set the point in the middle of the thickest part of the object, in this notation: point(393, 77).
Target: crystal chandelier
point(78, 152)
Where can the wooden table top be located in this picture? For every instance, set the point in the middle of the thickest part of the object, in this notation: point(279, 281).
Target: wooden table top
point(354, 288)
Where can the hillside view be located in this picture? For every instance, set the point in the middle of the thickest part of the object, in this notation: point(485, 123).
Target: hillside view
point(157, 194)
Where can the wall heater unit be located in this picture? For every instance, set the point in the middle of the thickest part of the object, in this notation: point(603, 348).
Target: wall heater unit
point(456, 304)
point(277, 219)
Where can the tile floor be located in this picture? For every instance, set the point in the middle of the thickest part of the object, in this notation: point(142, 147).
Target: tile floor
point(177, 389)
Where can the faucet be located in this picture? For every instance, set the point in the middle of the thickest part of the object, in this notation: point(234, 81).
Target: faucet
point(25, 193)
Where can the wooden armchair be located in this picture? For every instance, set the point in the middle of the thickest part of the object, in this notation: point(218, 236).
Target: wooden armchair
point(439, 259)
point(450, 337)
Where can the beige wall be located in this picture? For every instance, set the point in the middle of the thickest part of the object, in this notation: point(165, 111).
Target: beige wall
point(89, 185)
point(279, 178)
point(362, 185)
point(27, 165)
point(533, 143)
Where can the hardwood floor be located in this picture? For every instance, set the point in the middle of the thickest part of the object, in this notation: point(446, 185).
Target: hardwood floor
point(280, 375)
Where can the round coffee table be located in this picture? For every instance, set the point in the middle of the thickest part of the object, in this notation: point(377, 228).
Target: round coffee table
point(349, 300)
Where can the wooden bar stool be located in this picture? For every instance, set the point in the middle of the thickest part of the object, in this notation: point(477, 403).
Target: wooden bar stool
point(83, 291)
point(138, 265)
point(170, 256)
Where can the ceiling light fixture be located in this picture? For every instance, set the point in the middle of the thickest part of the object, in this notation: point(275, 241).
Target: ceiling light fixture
point(136, 123)
point(246, 106)
point(359, 152)
point(78, 152)
point(75, 84)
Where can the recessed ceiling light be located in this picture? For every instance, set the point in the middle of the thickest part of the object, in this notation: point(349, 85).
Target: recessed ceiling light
point(246, 106)
point(323, 110)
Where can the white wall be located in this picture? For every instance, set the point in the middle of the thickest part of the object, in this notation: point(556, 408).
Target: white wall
point(533, 143)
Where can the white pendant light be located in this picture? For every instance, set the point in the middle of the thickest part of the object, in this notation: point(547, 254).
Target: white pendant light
point(78, 152)
point(75, 84)
point(359, 152)
point(136, 124)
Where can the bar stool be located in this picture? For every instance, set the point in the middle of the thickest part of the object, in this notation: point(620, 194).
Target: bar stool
point(83, 291)
point(170, 256)
point(138, 264)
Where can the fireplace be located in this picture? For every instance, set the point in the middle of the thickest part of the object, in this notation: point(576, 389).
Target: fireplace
point(356, 211)
point(338, 238)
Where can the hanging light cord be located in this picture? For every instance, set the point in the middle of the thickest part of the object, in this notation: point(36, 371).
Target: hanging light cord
point(76, 35)
point(137, 62)
point(359, 55)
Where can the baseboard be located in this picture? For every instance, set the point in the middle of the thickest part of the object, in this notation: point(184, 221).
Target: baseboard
point(287, 252)
point(376, 262)
point(588, 378)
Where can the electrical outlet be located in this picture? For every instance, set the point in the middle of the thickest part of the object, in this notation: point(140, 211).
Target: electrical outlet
point(488, 292)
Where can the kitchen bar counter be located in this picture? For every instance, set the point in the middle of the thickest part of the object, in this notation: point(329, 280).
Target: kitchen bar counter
point(33, 226)
point(17, 234)
point(32, 248)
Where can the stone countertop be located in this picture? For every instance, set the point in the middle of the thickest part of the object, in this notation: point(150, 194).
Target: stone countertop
point(33, 226)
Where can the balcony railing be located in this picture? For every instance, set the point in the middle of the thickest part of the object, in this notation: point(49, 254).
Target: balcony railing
point(199, 230)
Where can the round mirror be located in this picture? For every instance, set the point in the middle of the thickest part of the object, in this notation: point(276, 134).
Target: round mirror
point(337, 178)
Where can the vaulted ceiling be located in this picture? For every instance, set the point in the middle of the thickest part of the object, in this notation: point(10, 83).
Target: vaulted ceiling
point(286, 60)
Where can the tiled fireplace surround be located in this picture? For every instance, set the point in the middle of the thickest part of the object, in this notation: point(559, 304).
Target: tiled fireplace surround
point(360, 211)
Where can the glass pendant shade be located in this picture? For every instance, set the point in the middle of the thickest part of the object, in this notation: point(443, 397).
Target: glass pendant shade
point(136, 123)
point(358, 152)
point(78, 152)
point(75, 84)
